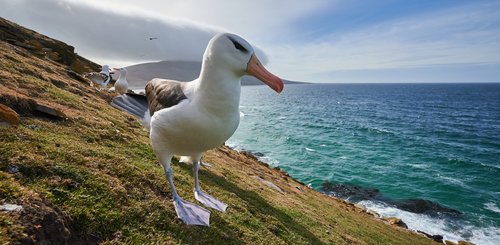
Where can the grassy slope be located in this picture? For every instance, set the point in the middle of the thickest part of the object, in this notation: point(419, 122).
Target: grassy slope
point(97, 172)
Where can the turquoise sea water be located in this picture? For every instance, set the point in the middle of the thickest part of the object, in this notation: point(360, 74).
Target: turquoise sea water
point(438, 142)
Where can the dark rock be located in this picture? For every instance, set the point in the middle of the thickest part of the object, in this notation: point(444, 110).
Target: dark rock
point(258, 154)
point(22, 105)
point(50, 112)
point(415, 205)
point(353, 192)
point(12, 169)
point(423, 206)
point(437, 238)
point(58, 83)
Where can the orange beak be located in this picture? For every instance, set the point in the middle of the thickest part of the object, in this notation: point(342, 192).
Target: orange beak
point(256, 69)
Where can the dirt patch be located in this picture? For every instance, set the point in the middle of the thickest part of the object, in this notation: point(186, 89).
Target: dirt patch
point(46, 224)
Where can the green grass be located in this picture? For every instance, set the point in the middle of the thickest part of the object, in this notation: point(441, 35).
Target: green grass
point(98, 169)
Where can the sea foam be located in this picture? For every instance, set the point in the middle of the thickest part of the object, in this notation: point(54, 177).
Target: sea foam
point(449, 229)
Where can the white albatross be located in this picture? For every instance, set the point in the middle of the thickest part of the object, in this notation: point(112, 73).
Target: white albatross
point(121, 85)
point(189, 118)
point(101, 78)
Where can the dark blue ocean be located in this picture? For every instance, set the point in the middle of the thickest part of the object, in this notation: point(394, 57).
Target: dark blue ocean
point(397, 142)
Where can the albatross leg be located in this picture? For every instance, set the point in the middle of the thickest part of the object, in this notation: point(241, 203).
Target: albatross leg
point(204, 198)
point(189, 213)
point(186, 159)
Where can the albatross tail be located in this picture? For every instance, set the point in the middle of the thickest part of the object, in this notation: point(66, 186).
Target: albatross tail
point(134, 104)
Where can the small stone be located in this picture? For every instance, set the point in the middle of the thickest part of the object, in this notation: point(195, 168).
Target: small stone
point(396, 222)
point(269, 184)
point(12, 169)
point(448, 242)
point(437, 238)
point(11, 207)
point(8, 117)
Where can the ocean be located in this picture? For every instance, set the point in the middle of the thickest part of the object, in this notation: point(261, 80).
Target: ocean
point(426, 153)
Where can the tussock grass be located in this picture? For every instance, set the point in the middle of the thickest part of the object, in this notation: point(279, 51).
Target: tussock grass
point(97, 172)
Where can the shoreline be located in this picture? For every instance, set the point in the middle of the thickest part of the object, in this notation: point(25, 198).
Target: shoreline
point(365, 206)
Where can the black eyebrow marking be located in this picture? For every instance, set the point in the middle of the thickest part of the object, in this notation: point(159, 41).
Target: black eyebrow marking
point(237, 45)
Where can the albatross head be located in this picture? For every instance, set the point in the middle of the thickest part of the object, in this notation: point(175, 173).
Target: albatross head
point(121, 71)
point(236, 54)
point(105, 69)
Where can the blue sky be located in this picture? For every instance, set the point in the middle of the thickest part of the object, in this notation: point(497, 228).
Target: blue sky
point(314, 41)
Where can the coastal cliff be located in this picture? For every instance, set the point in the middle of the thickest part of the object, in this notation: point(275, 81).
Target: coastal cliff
point(76, 170)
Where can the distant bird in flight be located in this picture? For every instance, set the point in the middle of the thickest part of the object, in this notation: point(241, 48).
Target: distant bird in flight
point(101, 78)
point(188, 118)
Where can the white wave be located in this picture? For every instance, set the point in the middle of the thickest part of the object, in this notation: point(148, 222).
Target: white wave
point(452, 180)
point(323, 145)
point(234, 145)
point(311, 150)
point(269, 160)
point(489, 165)
point(492, 206)
point(435, 226)
point(381, 130)
point(419, 166)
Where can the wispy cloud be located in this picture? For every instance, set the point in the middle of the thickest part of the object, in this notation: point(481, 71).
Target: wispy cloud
point(296, 35)
point(460, 35)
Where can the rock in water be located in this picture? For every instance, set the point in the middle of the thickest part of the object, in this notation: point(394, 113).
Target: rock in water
point(420, 206)
point(354, 192)
point(8, 117)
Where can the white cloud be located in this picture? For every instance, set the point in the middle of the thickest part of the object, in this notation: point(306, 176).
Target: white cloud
point(462, 35)
point(118, 32)
point(253, 19)
point(111, 37)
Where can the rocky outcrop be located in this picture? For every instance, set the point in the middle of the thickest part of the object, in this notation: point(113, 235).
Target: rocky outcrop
point(43, 46)
point(414, 205)
point(437, 238)
point(8, 117)
point(354, 192)
point(424, 206)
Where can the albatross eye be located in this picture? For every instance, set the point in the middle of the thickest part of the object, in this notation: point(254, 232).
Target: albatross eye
point(238, 46)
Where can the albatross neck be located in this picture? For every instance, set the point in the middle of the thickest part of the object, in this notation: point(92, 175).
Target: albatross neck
point(219, 88)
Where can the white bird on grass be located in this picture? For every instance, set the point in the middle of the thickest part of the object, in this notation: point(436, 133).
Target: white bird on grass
point(121, 85)
point(188, 118)
point(101, 78)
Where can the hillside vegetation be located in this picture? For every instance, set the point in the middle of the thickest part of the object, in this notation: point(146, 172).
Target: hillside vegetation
point(89, 175)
